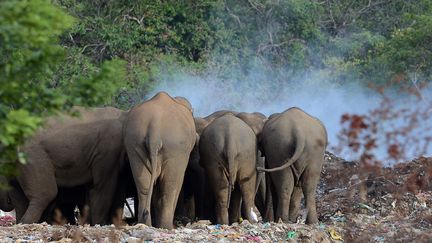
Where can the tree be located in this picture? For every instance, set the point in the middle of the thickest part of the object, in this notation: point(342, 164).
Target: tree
point(30, 54)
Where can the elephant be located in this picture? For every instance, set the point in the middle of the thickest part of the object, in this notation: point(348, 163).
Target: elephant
point(256, 121)
point(66, 200)
point(294, 144)
point(5, 200)
point(196, 197)
point(159, 135)
point(200, 124)
point(192, 200)
point(218, 114)
point(228, 153)
point(71, 151)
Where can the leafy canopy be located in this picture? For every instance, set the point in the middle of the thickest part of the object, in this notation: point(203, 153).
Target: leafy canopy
point(30, 53)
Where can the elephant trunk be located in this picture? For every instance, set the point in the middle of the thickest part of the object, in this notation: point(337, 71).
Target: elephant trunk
point(300, 145)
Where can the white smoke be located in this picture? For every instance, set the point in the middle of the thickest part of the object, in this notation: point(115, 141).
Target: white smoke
point(256, 91)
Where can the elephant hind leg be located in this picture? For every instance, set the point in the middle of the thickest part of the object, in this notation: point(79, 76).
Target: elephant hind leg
point(270, 200)
point(284, 185)
point(101, 197)
point(18, 200)
point(310, 180)
point(142, 178)
point(235, 204)
point(295, 203)
point(247, 182)
point(38, 183)
point(218, 182)
point(38, 204)
point(169, 183)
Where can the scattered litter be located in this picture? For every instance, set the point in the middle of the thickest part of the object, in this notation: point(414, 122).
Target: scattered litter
point(338, 217)
point(378, 239)
point(334, 235)
point(367, 207)
point(7, 220)
point(291, 235)
point(396, 208)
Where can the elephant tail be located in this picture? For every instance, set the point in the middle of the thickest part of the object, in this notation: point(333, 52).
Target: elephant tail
point(231, 172)
point(153, 149)
point(300, 145)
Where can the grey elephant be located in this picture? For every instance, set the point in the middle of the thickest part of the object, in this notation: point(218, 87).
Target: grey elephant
point(228, 153)
point(67, 152)
point(256, 121)
point(66, 201)
point(159, 135)
point(218, 114)
point(294, 144)
point(5, 200)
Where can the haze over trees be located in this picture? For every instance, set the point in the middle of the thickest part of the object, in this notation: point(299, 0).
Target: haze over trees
point(55, 54)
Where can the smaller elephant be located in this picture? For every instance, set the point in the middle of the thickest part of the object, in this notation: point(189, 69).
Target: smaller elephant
point(228, 153)
point(294, 144)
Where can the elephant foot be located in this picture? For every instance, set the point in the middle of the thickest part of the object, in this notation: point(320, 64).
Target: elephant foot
point(145, 217)
point(253, 218)
point(312, 221)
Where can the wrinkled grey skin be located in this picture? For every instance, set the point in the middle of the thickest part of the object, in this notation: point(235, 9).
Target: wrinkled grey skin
point(68, 152)
point(228, 153)
point(294, 144)
point(159, 136)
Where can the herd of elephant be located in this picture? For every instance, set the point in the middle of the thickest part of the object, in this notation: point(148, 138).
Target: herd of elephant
point(220, 167)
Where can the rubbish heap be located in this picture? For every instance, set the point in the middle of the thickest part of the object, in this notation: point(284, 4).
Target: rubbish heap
point(355, 203)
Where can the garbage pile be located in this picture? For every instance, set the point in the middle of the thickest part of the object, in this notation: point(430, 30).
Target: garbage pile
point(197, 232)
point(375, 204)
point(355, 203)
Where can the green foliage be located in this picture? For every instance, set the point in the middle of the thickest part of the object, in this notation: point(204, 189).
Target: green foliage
point(409, 50)
point(50, 60)
point(30, 54)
